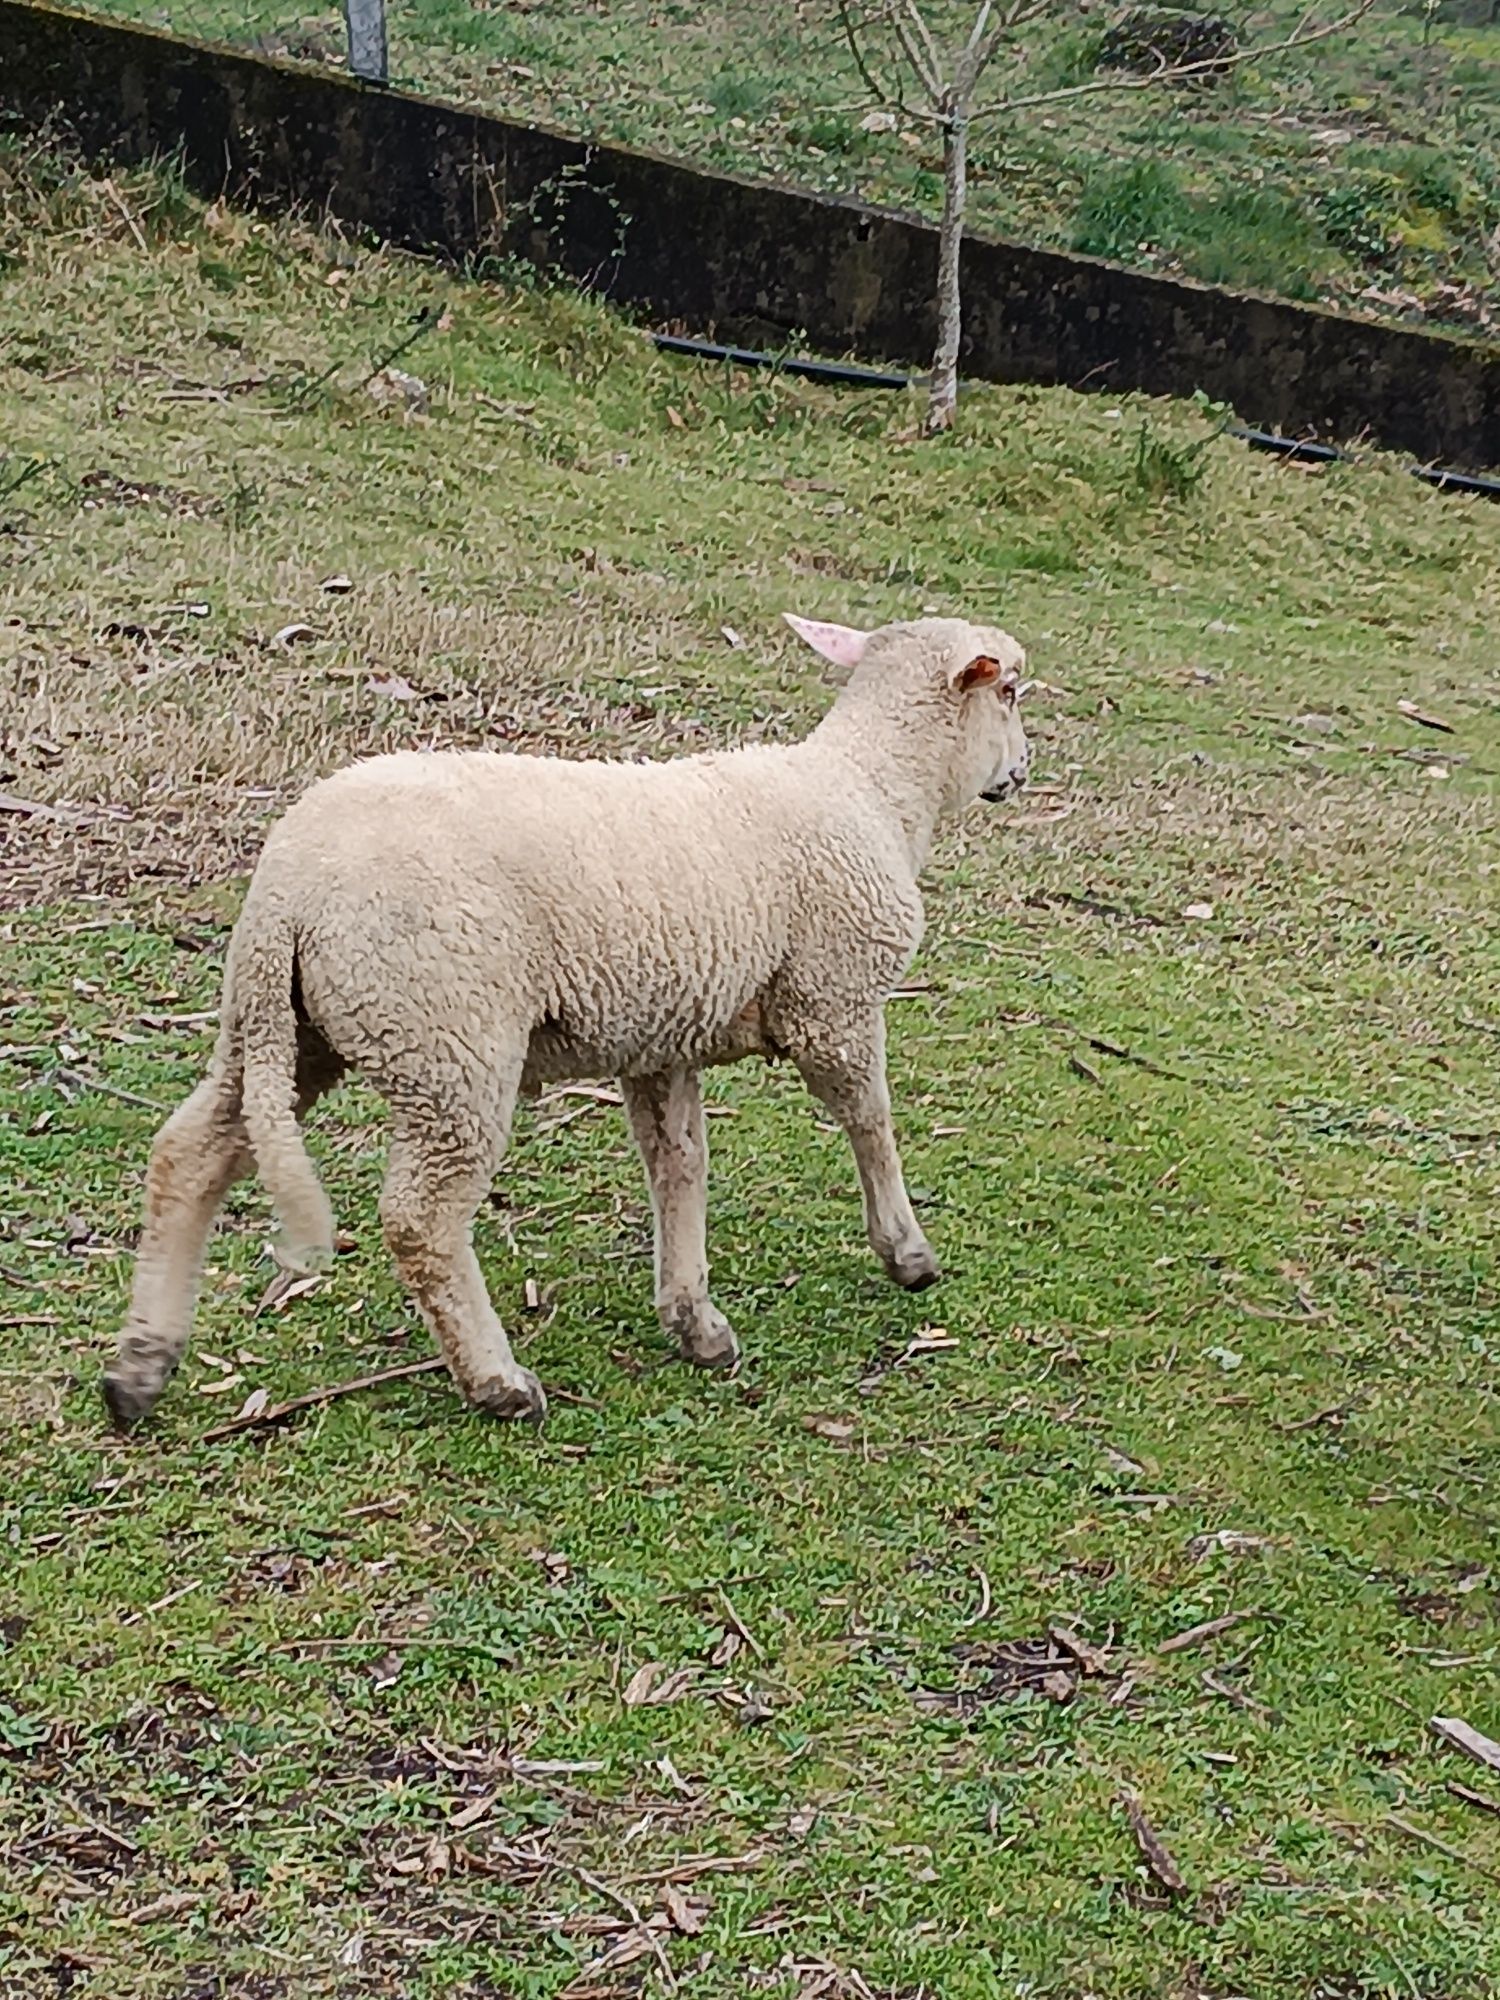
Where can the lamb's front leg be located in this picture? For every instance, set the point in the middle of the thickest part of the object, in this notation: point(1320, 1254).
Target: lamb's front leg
point(843, 1065)
point(666, 1116)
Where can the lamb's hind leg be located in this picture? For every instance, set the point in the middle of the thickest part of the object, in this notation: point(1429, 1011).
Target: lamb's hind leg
point(197, 1157)
point(442, 1161)
point(666, 1116)
point(844, 1068)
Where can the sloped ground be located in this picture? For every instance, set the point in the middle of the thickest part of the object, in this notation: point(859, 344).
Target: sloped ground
point(882, 1668)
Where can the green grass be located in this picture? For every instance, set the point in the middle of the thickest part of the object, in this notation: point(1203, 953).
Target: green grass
point(250, 1689)
point(1400, 115)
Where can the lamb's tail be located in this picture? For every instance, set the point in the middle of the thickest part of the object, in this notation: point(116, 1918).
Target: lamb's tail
point(261, 1015)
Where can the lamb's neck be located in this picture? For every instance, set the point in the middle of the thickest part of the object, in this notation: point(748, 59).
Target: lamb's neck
point(901, 764)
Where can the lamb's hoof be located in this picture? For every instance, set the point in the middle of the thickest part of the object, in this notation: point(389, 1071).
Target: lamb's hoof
point(914, 1269)
point(703, 1335)
point(517, 1398)
point(127, 1398)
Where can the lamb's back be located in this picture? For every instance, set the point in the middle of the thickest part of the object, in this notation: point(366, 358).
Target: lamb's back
point(637, 907)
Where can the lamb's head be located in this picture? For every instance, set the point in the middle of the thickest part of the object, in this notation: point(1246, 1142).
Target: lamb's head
point(966, 680)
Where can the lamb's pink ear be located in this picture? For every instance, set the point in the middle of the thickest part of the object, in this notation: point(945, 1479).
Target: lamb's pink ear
point(839, 643)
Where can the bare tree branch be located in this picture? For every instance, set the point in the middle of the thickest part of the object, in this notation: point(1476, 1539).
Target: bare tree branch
point(857, 50)
point(926, 73)
point(854, 32)
point(929, 46)
point(1178, 72)
point(1015, 16)
point(971, 62)
point(950, 81)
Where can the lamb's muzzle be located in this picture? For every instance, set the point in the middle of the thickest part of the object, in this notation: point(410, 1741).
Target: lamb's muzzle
point(467, 927)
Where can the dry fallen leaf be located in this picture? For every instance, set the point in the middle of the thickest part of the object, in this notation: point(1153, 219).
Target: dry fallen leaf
point(1199, 912)
point(1154, 1851)
point(654, 1685)
point(687, 1913)
point(1090, 1659)
point(1414, 714)
point(393, 687)
point(732, 636)
point(837, 1430)
point(293, 635)
point(474, 1811)
point(1122, 1462)
point(336, 586)
point(638, 1687)
point(931, 1340)
point(255, 1402)
point(675, 419)
point(1230, 1540)
point(283, 1288)
point(222, 1387)
point(394, 385)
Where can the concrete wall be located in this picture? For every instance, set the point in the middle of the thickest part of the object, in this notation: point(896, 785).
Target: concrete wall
point(723, 255)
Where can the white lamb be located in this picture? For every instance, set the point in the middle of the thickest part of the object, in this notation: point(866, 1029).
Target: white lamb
point(463, 927)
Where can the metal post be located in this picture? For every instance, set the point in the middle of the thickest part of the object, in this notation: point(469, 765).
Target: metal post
point(367, 48)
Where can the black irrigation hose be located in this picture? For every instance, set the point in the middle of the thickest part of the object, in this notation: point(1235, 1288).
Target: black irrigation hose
point(1456, 482)
point(815, 371)
point(1305, 450)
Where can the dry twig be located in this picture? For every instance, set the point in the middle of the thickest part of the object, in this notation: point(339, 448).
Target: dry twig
point(1460, 1735)
point(1196, 1635)
point(275, 1413)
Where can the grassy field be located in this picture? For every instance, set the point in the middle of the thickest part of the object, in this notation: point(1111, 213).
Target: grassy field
point(1364, 170)
point(753, 1685)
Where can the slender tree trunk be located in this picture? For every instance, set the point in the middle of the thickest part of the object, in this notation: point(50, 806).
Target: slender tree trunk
point(943, 393)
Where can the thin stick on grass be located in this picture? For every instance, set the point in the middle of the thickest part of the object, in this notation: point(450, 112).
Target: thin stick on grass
point(528, 1858)
point(1196, 1635)
point(77, 1079)
point(99, 1826)
point(1414, 1832)
point(738, 1625)
point(1239, 1698)
point(415, 1641)
point(130, 222)
point(985, 1597)
point(172, 1596)
point(275, 1413)
point(1461, 1735)
point(1472, 1798)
